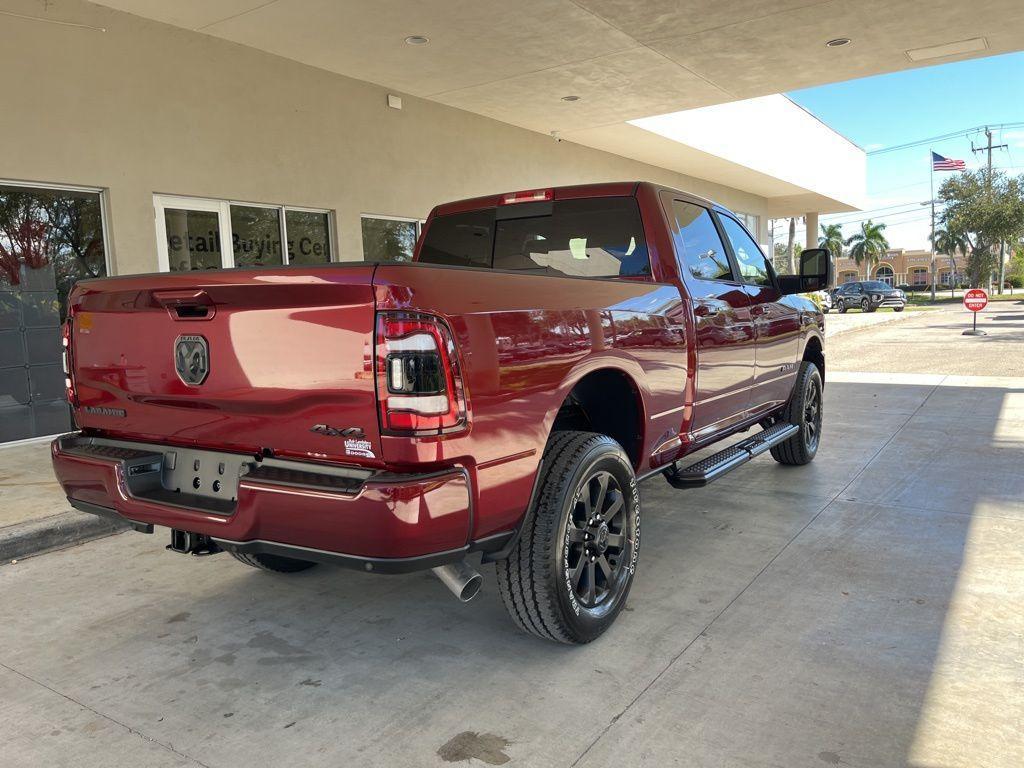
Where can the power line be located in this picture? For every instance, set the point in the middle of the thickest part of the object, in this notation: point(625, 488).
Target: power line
point(954, 135)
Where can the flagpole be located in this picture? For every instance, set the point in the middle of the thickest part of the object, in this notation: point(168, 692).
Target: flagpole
point(931, 199)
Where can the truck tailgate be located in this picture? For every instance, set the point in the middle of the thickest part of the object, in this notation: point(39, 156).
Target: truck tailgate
point(276, 360)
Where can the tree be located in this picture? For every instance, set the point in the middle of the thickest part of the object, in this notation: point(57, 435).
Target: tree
point(985, 209)
point(868, 245)
point(831, 239)
point(1015, 269)
point(948, 243)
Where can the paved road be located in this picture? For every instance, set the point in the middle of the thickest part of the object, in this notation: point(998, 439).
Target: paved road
point(837, 324)
point(861, 611)
point(931, 341)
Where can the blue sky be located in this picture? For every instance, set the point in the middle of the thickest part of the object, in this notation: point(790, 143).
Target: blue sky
point(889, 110)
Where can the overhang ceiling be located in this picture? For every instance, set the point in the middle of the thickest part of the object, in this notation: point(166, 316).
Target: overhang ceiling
point(514, 60)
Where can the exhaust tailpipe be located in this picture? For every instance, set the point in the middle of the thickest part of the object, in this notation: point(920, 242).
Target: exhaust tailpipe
point(461, 578)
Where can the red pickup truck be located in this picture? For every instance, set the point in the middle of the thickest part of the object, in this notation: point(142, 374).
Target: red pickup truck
point(502, 394)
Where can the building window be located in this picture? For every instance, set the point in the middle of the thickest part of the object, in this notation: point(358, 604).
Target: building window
point(49, 238)
point(751, 222)
point(389, 238)
point(885, 274)
point(919, 276)
point(194, 233)
point(849, 277)
point(309, 236)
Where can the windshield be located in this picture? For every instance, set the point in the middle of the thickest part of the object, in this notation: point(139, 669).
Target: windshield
point(878, 286)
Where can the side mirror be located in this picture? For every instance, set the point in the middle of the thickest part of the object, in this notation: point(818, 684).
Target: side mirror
point(815, 273)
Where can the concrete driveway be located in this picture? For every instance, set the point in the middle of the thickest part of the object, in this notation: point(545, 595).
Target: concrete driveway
point(866, 610)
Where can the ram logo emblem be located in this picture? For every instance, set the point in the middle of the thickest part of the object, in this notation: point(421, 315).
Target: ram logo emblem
point(192, 359)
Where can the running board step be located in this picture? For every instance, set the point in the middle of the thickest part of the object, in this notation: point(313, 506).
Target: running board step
point(713, 467)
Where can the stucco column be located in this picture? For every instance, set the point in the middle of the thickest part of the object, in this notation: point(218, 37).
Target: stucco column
point(812, 230)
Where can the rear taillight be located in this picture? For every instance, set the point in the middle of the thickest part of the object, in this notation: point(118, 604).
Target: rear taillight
point(419, 385)
point(65, 356)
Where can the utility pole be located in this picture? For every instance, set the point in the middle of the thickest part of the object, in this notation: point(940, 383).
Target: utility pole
point(988, 184)
point(931, 200)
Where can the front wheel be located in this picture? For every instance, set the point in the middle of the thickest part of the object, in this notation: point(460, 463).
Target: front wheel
point(865, 305)
point(570, 572)
point(805, 410)
point(898, 309)
point(841, 307)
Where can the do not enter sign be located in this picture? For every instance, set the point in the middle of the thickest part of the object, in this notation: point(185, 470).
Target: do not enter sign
point(975, 300)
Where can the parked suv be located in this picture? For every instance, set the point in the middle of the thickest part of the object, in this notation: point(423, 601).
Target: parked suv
point(868, 296)
point(501, 395)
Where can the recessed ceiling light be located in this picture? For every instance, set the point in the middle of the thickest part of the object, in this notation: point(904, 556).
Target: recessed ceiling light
point(417, 40)
point(570, 98)
point(839, 41)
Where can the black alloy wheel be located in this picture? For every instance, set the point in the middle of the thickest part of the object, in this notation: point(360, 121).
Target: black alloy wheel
point(569, 574)
point(805, 410)
point(812, 413)
point(598, 540)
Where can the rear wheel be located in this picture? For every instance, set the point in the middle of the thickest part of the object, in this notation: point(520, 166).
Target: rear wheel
point(841, 307)
point(274, 563)
point(803, 409)
point(571, 570)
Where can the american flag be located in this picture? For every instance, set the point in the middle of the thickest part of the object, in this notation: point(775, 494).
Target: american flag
point(940, 163)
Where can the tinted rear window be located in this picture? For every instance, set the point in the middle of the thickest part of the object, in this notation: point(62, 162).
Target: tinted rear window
point(589, 237)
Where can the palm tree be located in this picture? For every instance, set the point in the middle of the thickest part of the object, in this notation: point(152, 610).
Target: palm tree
point(868, 245)
point(832, 241)
point(947, 243)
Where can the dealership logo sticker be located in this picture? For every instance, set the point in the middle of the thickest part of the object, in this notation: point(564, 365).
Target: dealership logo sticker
point(192, 359)
point(362, 448)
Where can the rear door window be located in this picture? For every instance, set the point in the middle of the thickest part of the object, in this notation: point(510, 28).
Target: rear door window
point(587, 237)
point(461, 239)
point(699, 247)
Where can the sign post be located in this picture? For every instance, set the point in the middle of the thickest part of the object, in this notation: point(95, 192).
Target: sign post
point(975, 300)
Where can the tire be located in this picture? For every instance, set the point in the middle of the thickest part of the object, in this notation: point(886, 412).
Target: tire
point(841, 307)
point(865, 305)
point(804, 409)
point(548, 584)
point(898, 309)
point(275, 563)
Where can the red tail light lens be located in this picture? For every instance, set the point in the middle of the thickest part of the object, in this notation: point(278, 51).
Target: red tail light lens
point(528, 196)
point(419, 385)
point(69, 380)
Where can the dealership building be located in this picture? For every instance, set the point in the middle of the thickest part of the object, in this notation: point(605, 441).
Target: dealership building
point(145, 136)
